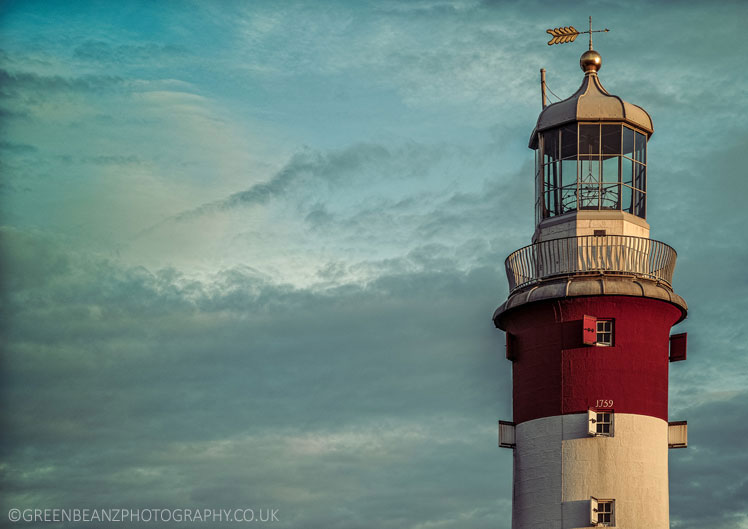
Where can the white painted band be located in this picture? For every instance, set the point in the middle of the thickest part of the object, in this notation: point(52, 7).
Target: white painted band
point(558, 467)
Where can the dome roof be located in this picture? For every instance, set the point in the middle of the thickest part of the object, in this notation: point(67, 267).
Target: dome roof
point(591, 102)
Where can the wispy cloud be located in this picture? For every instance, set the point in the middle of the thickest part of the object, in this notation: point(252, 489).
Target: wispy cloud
point(118, 54)
point(13, 83)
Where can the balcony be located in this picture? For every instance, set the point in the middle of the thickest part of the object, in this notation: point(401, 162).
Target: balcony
point(591, 255)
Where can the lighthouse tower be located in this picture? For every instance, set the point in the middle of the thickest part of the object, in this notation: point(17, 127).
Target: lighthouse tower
point(588, 323)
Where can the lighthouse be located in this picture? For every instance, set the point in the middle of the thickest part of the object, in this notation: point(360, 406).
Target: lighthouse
point(588, 324)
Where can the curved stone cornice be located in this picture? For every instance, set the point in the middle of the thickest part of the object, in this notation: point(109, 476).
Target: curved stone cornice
point(589, 285)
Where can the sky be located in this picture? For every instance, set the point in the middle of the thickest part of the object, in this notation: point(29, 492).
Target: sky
point(250, 250)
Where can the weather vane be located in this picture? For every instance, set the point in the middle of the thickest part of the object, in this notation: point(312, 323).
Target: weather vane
point(570, 33)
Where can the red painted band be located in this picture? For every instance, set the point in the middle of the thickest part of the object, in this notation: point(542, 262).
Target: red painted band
point(554, 373)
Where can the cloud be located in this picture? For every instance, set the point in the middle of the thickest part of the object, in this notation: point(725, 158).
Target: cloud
point(17, 148)
point(178, 379)
point(113, 160)
point(103, 52)
point(366, 208)
point(337, 167)
point(15, 83)
point(708, 482)
point(363, 396)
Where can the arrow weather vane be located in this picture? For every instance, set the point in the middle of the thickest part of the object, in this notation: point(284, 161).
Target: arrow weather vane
point(570, 33)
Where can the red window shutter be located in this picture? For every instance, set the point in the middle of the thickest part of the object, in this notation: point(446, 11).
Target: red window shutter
point(589, 330)
point(678, 347)
point(511, 347)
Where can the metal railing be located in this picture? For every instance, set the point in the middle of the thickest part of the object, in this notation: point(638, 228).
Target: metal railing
point(588, 254)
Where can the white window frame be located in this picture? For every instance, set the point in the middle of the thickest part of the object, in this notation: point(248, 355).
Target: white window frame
point(606, 507)
point(595, 420)
point(595, 512)
point(603, 327)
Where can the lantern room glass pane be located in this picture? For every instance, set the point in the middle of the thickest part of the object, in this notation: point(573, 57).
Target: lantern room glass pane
point(627, 171)
point(551, 187)
point(589, 168)
point(550, 203)
point(569, 141)
point(569, 198)
point(640, 154)
point(550, 146)
point(589, 195)
point(589, 139)
point(610, 196)
point(627, 199)
point(640, 204)
point(610, 168)
point(628, 142)
point(589, 182)
point(639, 176)
point(611, 139)
point(551, 176)
point(568, 172)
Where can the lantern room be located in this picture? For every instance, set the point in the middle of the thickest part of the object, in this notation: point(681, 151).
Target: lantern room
point(591, 163)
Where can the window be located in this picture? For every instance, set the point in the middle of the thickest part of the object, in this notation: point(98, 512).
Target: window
point(604, 422)
point(591, 166)
point(598, 331)
point(604, 514)
point(600, 423)
point(604, 333)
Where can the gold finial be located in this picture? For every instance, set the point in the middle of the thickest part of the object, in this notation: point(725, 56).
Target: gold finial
point(590, 61)
point(566, 34)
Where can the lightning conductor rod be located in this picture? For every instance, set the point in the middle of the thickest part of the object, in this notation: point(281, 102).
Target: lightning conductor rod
point(542, 87)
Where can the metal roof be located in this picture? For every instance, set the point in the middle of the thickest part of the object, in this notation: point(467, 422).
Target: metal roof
point(591, 102)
